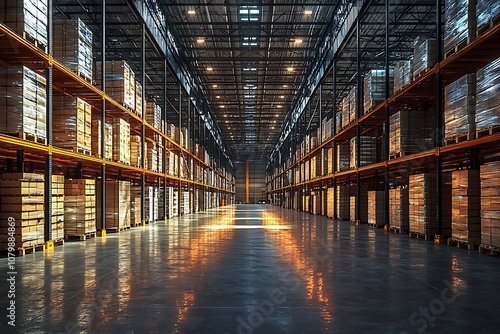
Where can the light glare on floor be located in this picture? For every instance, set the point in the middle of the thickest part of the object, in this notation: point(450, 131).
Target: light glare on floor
point(246, 227)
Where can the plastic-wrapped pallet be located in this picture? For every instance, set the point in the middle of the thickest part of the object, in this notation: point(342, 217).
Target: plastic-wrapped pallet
point(118, 212)
point(353, 102)
point(22, 197)
point(135, 151)
point(460, 22)
point(343, 202)
point(72, 119)
point(363, 206)
point(152, 157)
point(490, 206)
point(79, 207)
point(424, 56)
point(403, 74)
point(376, 208)
point(411, 131)
point(330, 203)
point(135, 210)
point(73, 46)
point(57, 207)
point(153, 114)
point(96, 139)
point(368, 151)
point(138, 98)
point(27, 18)
point(120, 81)
point(342, 157)
point(485, 11)
point(345, 112)
point(487, 96)
point(459, 107)
point(374, 88)
point(339, 120)
point(399, 209)
point(465, 201)
point(161, 204)
point(121, 140)
point(23, 103)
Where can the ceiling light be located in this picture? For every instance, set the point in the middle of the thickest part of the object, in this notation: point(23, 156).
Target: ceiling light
point(282, 96)
point(200, 40)
point(191, 12)
point(297, 41)
point(289, 69)
point(211, 69)
point(218, 96)
point(279, 106)
point(308, 12)
point(214, 86)
point(222, 107)
point(285, 86)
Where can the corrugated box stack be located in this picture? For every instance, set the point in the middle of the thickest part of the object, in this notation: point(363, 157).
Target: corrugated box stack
point(423, 204)
point(27, 18)
point(329, 167)
point(161, 204)
point(343, 157)
point(160, 158)
point(411, 131)
point(363, 205)
point(121, 140)
point(151, 204)
point(485, 11)
point(460, 23)
point(376, 208)
point(170, 131)
point(96, 139)
point(152, 157)
point(374, 88)
point(330, 206)
point(345, 112)
point(171, 163)
point(135, 150)
point(57, 207)
point(338, 121)
point(459, 108)
point(79, 207)
point(465, 202)
point(73, 46)
point(185, 203)
point(23, 103)
point(368, 151)
point(120, 82)
point(22, 196)
point(135, 211)
point(153, 114)
point(403, 74)
point(487, 98)
point(399, 209)
point(117, 213)
point(343, 202)
point(490, 204)
point(138, 98)
point(424, 55)
point(72, 119)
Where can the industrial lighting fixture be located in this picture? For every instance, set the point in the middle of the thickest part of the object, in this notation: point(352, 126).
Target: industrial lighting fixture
point(279, 106)
point(297, 41)
point(214, 86)
point(289, 69)
point(285, 86)
point(191, 12)
point(218, 97)
point(282, 96)
point(200, 40)
point(222, 107)
point(210, 68)
point(308, 12)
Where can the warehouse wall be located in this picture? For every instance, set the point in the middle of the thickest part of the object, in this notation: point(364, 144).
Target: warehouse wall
point(257, 180)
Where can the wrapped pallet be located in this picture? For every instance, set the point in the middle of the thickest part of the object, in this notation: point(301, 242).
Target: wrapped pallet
point(487, 101)
point(153, 115)
point(490, 206)
point(399, 209)
point(73, 46)
point(363, 205)
point(465, 202)
point(376, 208)
point(22, 204)
point(121, 140)
point(345, 112)
point(330, 202)
point(138, 98)
point(329, 169)
point(120, 81)
point(96, 139)
point(343, 157)
point(343, 202)
point(353, 102)
point(23, 103)
point(135, 150)
point(28, 19)
point(411, 132)
point(72, 124)
point(152, 157)
point(367, 149)
point(135, 210)
point(460, 23)
point(459, 108)
point(374, 88)
point(117, 199)
point(486, 10)
point(403, 74)
point(338, 122)
point(57, 207)
point(79, 208)
point(424, 55)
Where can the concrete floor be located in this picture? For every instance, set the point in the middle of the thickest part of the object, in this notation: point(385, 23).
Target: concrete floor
point(255, 269)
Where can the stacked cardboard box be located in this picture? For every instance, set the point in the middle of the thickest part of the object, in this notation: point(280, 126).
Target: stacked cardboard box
point(170, 132)
point(423, 204)
point(23, 103)
point(465, 202)
point(152, 157)
point(490, 205)
point(411, 131)
point(487, 101)
point(161, 203)
point(138, 98)
point(363, 205)
point(73, 46)
point(402, 74)
point(22, 203)
point(338, 121)
point(374, 88)
point(96, 139)
point(72, 123)
point(486, 10)
point(345, 111)
point(121, 140)
point(160, 158)
point(343, 157)
point(79, 207)
point(376, 208)
point(329, 169)
point(424, 55)
point(460, 22)
point(120, 82)
point(399, 209)
point(117, 199)
point(312, 167)
point(330, 203)
point(28, 18)
point(343, 202)
point(57, 207)
point(135, 211)
point(153, 115)
point(368, 151)
point(459, 107)
point(135, 150)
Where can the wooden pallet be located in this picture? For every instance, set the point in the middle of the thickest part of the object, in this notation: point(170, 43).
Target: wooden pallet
point(58, 242)
point(123, 162)
point(397, 230)
point(80, 150)
point(490, 250)
point(34, 41)
point(417, 235)
point(29, 137)
point(488, 131)
point(421, 73)
point(82, 75)
point(116, 229)
point(375, 225)
point(459, 46)
point(81, 237)
point(399, 155)
point(462, 244)
point(22, 251)
point(460, 138)
point(488, 25)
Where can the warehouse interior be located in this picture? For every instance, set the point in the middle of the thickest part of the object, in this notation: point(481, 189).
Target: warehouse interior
point(273, 166)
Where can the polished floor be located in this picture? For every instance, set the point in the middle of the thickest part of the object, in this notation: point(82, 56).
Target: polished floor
point(255, 269)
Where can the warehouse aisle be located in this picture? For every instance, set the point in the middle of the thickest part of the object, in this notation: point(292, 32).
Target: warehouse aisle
point(255, 269)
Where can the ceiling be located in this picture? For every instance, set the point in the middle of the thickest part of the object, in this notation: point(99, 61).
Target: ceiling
point(251, 60)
